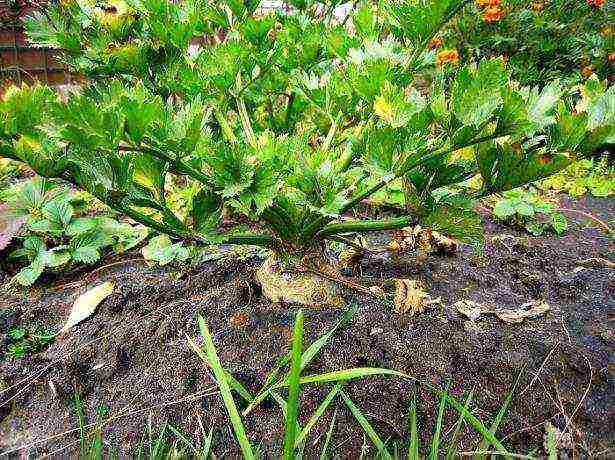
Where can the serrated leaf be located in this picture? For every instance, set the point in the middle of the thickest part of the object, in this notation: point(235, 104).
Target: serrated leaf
point(161, 249)
point(476, 95)
point(80, 226)
point(86, 254)
point(460, 223)
point(503, 209)
point(28, 275)
point(58, 212)
point(559, 223)
point(58, 256)
point(524, 209)
point(207, 211)
point(86, 305)
point(601, 112)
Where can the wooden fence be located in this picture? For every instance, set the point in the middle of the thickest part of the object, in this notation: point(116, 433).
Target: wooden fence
point(20, 61)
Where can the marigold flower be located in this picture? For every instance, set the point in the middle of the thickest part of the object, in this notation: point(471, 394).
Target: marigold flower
point(596, 3)
point(488, 3)
point(448, 56)
point(612, 56)
point(588, 70)
point(493, 14)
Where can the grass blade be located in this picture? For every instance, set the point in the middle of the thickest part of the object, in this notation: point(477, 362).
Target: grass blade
point(469, 417)
point(369, 430)
point(282, 403)
point(318, 413)
point(225, 390)
point(183, 439)
point(310, 353)
point(314, 348)
point(451, 453)
point(485, 443)
point(235, 385)
point(323, 451)
point(435, 440)
point(206, 449)
point(294, 388)
point(413, 447)
point(80, 421)
point(349, 374)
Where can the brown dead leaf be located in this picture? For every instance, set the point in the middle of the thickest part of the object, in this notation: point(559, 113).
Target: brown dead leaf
point(422, 239)
point(473, 310)
point(596, 262)
point(410, 297)
point(377, 291)
point(530, 309)
point(447, 245)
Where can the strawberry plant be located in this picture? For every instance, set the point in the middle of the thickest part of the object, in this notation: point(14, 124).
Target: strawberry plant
point(591, 175)
point(280, 124)
point(528, 210)
point(52, 216)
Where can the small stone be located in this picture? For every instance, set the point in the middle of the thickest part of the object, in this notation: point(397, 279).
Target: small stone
point(376, 331)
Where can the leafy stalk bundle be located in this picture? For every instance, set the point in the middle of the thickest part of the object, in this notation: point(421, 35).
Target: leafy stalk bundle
point(281, 123)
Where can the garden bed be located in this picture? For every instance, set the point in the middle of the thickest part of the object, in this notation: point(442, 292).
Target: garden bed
point(132, 355)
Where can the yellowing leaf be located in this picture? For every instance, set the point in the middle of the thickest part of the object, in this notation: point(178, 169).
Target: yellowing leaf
point(383, 109)
point(86, 304)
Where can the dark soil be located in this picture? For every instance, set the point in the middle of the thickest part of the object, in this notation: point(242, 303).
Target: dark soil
point(132, 354)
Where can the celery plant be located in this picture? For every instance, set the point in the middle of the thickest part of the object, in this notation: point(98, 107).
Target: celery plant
point(286, 121)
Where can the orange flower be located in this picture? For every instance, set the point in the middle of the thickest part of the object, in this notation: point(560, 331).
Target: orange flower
point(448, 56)
point(612, 56)
point(596, 3)
point(488, 3)
point(588, 70)
point(493, 14)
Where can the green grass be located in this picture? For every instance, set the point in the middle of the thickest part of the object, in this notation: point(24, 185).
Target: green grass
point(284, 385)
point(292, 382)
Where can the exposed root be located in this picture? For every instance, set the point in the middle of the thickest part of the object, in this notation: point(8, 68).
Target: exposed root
point(313, 283)
point(281, 284)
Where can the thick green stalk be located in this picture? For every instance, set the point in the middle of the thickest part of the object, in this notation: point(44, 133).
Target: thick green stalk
point(5, 152)
point(359, 226)
point(421, 161)
point(178, 165)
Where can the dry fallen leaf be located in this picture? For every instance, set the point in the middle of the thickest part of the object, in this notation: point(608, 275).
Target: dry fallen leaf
point(529, 309)
point(447, 245)
point(473, 310)
point(86, 304)
point(422, 239)
point(596, 262)
point(410, 297)
point(351, 256)
point(377, 291)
